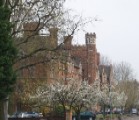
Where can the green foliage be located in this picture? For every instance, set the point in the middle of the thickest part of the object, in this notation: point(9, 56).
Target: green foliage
point(1, 2)
point(7, 54)
point(59, 109)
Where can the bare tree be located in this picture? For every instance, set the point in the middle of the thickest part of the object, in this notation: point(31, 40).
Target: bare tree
point(123, 71)
point(104, 60)
point(33, 17)
point(130, 88)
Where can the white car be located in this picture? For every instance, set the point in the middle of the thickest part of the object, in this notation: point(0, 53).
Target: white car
point(26, 115)
point(30, 115)
point(23, 115)
point(134, 111)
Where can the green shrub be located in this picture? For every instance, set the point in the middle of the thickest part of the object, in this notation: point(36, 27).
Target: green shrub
point(59, 110)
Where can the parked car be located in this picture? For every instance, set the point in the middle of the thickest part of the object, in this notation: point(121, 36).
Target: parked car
point(87, 115)
point(40, 115)
point(134, 111)
point(26, 115)
point(15, 115)
point(23, 115)
point(118, 111)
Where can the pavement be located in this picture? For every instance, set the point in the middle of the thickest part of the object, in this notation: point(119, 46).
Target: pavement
point(131, 117)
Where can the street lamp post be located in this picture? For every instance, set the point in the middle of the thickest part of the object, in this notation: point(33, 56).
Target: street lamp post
point(110, 102)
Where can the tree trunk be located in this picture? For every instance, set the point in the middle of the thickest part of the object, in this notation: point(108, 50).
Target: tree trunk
point(1, 110)
point(78, 116)
point(104, 114)
point(5, 108)
point(69, 115)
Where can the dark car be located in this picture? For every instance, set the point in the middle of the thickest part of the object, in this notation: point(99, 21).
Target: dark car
point(15, 115)
point(87, 115)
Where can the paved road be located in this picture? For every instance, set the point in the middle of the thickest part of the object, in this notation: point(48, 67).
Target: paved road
point(133, 117)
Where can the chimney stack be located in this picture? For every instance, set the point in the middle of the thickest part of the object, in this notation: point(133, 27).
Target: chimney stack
point(68, 42)
point(53, 37)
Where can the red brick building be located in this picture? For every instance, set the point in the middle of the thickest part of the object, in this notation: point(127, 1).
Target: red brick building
point(65, 63)
point(69, 61)
point(50, 65)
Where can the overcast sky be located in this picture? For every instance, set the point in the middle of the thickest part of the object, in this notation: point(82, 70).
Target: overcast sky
point(117, 32)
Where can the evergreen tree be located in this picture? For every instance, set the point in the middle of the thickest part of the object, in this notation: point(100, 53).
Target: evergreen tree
point(7, 53)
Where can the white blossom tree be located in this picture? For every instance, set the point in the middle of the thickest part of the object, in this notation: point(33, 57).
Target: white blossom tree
point(110, 96)
point(73, 96)
point(86, 97)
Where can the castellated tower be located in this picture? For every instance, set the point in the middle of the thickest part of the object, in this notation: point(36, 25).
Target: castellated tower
point(91, 57)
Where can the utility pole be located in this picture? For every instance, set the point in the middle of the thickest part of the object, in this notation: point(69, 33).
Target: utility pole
point(110, 101)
